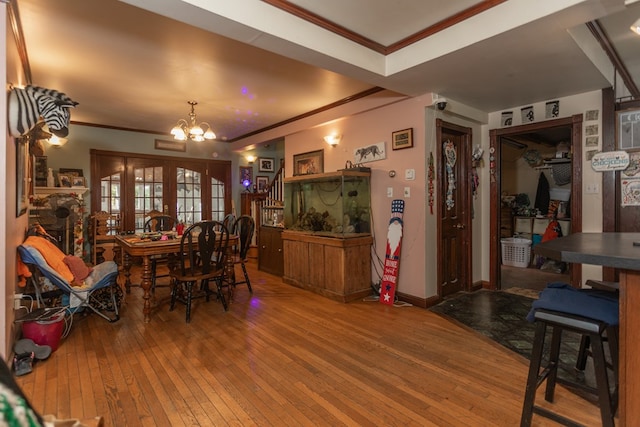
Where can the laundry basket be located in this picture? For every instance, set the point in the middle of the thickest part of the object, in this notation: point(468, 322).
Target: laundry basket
point(516, 252)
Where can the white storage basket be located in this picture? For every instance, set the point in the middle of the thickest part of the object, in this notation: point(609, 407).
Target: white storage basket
point(516, 252)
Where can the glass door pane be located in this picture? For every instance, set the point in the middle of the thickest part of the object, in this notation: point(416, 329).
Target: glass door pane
point(188, 195)
point(148, 196)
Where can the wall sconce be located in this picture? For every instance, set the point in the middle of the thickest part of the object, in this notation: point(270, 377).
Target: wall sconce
point(636, 27)
point(250, 158)
point(57, 142)
point(333, 140)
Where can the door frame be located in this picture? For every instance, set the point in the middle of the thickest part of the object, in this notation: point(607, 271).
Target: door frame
point(575, 122)
point(465, 155)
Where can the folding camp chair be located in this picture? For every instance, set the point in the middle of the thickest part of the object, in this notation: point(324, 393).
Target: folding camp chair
point(75, 298)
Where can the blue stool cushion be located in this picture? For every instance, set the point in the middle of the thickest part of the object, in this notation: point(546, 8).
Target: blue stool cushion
point(592, 303)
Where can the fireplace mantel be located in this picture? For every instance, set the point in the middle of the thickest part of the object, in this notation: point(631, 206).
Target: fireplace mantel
point(40, 192)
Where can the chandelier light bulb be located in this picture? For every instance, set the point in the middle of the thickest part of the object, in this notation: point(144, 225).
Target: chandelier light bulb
point(190, 129)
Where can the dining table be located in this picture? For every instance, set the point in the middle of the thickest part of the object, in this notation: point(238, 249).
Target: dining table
point(622, 252)
point(138, 245)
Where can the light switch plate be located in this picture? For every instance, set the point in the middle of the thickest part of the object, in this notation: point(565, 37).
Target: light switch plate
point(389, 191)
point(407, 192)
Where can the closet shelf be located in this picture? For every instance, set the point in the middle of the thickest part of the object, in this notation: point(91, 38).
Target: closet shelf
point(556, 161)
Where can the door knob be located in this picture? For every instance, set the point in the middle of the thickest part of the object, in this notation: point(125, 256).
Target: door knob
point(459, 226)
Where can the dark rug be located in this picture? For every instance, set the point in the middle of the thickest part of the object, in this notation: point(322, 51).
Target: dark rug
point(501, 316)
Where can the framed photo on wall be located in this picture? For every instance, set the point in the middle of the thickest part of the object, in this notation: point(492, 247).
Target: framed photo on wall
point(41, 171)
point(266, 164)
point(22, 176)
point(262, 183)
point(401, 139)
point(246, 174)
point(308, 163)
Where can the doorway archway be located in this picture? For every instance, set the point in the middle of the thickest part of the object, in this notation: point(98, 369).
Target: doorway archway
point(574, 125)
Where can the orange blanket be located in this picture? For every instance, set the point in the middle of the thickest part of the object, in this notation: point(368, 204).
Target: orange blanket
point(52, 254)
point(23, 272)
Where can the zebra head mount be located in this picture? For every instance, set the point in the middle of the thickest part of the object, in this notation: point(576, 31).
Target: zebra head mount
point(27, 105)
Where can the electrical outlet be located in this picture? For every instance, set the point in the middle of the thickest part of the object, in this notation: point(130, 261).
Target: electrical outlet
point(592, 188)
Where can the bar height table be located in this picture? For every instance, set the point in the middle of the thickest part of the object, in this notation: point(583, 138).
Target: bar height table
point(615, 250)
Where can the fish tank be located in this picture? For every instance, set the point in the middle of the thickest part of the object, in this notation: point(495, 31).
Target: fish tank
point(334, 204)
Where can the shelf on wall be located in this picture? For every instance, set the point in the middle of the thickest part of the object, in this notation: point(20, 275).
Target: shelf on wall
point(47, 191)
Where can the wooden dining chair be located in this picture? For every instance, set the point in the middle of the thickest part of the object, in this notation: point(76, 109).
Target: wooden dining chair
point(201, 260)
point(104, 227)
point(244, 227)
point(157, 223)
point(228, 221)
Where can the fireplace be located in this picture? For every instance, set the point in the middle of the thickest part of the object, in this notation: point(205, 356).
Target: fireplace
point(62, 216)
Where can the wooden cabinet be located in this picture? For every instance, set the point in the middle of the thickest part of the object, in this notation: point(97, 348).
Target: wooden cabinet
point(336, 268)
point(270, 251)
point(506, 222)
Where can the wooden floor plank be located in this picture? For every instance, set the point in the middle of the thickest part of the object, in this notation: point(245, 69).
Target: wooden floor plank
point(284, 356)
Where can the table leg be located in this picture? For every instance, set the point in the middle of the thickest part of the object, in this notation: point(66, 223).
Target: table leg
point(127, 272)
point(230, 273)
point(629, 369)
point(145, 283)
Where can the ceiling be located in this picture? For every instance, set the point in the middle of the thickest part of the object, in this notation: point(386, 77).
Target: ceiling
point(252, 65)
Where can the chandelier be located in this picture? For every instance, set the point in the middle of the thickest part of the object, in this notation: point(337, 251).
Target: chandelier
point(190, 129)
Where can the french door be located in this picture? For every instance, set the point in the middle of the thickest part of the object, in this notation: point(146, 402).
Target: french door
point(132, 185)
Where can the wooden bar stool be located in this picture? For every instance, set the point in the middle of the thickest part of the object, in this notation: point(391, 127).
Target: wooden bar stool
point(564, 308)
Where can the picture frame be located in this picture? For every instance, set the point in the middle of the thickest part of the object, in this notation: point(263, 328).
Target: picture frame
point(64, 180)
point(402, 139)
point(266, 164)
point(369, 153)
point(71, 172)
point(77, 181)
point(171, 145)
point(246, 173)
point(262, 183)
point(22, 176)
point(40, 170)
point(309, 163)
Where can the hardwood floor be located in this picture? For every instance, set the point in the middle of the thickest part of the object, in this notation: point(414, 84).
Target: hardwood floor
point(529, 278)
point(284, 356)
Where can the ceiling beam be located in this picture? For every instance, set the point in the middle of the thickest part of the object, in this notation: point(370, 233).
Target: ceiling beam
point(601, 36)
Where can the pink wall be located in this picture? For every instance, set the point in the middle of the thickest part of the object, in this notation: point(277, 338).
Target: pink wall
point(372, 127)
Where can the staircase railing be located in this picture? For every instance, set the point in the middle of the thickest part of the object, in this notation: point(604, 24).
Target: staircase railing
point(271, 206)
